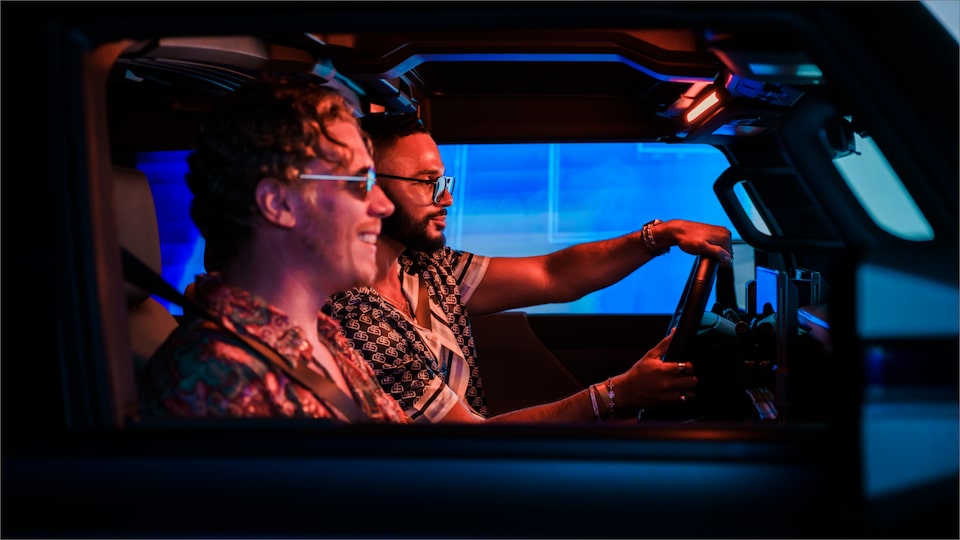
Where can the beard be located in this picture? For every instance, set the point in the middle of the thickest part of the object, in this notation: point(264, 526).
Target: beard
point(413, 233)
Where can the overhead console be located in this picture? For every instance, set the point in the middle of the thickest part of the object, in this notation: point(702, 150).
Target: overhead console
point(659, 84)
point(756, 85)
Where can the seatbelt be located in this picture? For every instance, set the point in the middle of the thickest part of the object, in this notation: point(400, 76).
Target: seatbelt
point(141, 275)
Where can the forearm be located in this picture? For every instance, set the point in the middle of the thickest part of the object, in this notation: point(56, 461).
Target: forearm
point(567, 274)
point(578, 407)
point(584, 268)
point(650, 383)
point(570, 273)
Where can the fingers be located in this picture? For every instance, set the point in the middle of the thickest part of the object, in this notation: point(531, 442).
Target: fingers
point(723, 255)
point(704, 239)
point(684, 369)
point(686, 383)
point(683, 376)
point(684, 387)
point(653, 382)
point(724, 245)
point(677, 385)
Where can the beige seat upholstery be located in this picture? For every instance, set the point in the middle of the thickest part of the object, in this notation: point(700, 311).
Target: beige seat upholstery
point(150, 323)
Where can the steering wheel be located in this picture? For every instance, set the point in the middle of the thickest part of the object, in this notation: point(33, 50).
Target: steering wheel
point(690, 309)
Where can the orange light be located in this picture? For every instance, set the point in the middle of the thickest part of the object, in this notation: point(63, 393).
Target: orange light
point(702, 107)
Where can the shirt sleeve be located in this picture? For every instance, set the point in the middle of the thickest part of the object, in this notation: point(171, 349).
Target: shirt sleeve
point(401, 362)
point(468, 268)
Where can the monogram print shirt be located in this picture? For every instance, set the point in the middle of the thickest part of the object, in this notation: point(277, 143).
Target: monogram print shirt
point(203, 370)
point(426, 369)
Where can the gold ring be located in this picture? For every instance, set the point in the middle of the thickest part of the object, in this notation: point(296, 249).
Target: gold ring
point(682, 368)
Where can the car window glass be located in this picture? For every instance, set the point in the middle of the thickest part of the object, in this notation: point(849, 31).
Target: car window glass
point(750, 207)
point(880, 191)
point(948, 13)
point(528, 199)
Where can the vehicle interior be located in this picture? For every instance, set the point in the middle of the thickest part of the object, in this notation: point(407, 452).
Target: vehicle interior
point(827, 355)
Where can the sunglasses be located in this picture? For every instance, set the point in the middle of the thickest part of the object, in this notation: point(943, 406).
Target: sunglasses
point(440, 184)
point(369, 180)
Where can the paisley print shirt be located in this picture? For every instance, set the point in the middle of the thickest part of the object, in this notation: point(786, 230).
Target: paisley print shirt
point(427, 370)
point(202, 370)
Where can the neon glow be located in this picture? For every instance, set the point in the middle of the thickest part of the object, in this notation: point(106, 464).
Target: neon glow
point(702, 107)
point(800, 70)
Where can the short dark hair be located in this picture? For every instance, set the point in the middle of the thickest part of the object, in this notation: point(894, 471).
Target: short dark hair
point(271, 127)
point(385, 129)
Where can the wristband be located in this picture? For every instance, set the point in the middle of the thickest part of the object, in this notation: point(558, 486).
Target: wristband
point(611, 395)
point(593, 401)
point(646, 235)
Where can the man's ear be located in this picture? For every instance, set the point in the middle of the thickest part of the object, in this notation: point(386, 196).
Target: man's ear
point(274, 200)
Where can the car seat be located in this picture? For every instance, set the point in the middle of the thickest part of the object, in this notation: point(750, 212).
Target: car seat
point(518, 370)
point(149, 322)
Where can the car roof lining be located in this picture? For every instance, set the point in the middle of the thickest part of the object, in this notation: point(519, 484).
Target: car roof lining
point(538, 74)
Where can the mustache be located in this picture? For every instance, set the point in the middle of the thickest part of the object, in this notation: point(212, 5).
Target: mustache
point(440, 213)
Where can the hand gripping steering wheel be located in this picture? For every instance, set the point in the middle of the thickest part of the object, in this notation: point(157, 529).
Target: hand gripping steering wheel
point(690, 309)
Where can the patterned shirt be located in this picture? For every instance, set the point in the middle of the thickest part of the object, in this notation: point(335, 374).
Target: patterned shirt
point(426, 370)
point(203, 370)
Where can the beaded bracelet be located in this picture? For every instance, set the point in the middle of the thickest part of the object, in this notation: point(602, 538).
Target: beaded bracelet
point(611, 394)
point(646, 235)
point(593, 401)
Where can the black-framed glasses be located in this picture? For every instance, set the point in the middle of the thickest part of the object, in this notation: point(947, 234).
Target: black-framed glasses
point(369, 180)
point(440, 183)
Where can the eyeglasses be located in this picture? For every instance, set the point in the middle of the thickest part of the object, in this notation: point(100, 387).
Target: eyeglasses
point(440, 183)
point(369, 180)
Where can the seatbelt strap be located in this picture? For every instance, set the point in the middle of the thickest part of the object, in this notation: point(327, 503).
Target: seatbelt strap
point(141, 275)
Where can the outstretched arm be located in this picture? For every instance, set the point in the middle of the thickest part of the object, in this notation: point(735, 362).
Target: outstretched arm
point(650, 384)
point(570, 273)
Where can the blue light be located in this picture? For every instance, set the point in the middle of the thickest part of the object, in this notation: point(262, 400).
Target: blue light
point(518, 200)
point(417, 59)
point(801, 70)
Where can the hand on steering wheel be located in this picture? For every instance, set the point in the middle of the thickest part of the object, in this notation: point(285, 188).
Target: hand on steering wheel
point(665, 376)
point(685, 325)
point(654, 384)
point(693, 302)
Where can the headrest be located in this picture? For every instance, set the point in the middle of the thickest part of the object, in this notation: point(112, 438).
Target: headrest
point(136, 222)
